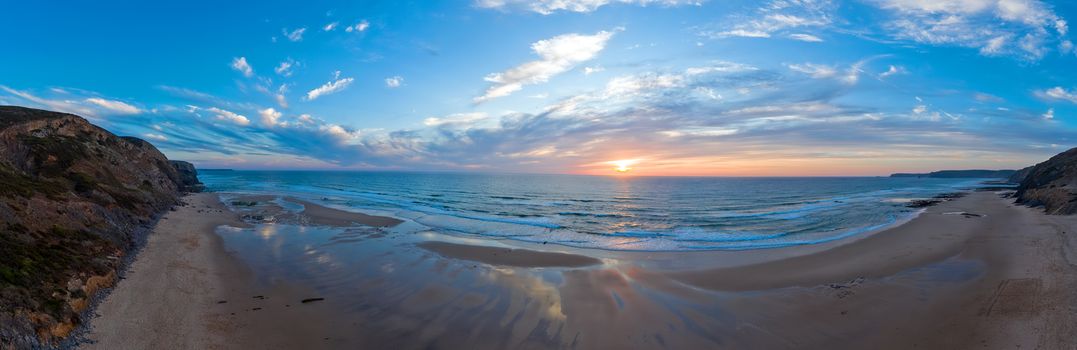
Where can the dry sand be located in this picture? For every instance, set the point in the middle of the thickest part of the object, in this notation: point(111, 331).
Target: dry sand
point(1001, 280)
point(164, 300)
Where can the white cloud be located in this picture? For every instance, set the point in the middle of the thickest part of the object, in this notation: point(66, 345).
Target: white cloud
point(1057, 93)
point(547, 7)
point(720, 67)
point(744, 33)
point(229, 116)
point(358, 27)
point(279, 96)
point(805, 37)
point(394, 82)
point(240, 65)
point(330, 87)
point(67, 106)
point(153, 136)
point(893, 70)
point(339, 133)
point(817, 71)
point(118, 107)
point(270, 117)
point(331, 26)
point(699, 132)
point(1050, 115)
point(556, 55)
point(849, 76)
point(778, 16)
point(592, 70)
point(994, 46)
point(456, 119)
point(295, 35)
point(634, 85)
point(285, 67)
point(988, 25)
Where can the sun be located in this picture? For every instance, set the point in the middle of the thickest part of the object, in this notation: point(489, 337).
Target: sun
point(624, 165)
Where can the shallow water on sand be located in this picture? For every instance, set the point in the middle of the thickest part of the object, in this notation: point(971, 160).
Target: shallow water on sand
point(614, 213)
point(380, 289)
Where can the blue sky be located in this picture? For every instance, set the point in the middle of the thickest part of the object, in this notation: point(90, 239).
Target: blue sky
point(670, 87)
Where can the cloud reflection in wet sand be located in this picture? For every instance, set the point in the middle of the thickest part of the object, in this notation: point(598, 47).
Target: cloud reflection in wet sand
point(381, 290)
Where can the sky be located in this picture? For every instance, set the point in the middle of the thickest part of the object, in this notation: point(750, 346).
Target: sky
point(653, 87)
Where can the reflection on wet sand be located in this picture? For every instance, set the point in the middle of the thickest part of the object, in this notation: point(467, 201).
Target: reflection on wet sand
point(395, 288)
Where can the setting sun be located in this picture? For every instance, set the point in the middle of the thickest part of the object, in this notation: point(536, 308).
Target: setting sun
point(624, 165)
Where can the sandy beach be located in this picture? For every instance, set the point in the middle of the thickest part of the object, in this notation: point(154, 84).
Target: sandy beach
point(973, 272)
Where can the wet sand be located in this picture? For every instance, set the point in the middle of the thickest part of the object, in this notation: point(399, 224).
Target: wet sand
point(322, 215)
point(507, 256)
point(1000, 280)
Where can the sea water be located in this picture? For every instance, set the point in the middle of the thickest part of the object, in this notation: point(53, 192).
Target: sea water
point(614, 212)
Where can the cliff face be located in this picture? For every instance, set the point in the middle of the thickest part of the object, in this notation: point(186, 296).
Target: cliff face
point(1020, 175)
point(951, 174)
point(187, 176)
point(1052, 184)
point(73, 200)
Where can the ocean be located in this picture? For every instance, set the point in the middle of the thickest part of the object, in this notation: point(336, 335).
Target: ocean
point(614, 213)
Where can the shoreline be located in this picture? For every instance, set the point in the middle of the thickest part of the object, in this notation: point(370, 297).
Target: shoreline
point(871, 275)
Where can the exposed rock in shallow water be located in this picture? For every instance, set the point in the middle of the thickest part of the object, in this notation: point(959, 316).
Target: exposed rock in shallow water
point(1052, 185)
point(74, 199)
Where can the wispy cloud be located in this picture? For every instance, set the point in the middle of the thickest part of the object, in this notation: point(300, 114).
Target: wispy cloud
point(556, 55)
point(334, 86)
point(805, 37)
point(119, 107)
point(229, 116)
point(779, 16)
point(358, 27)
point(815, 70)
point(394, 81)
point(1057, 93)
point(849, 75)
point(547, 7)
point(284, 69)
point(330, 26)
point(892, 71)
point(294, 35)
point(1022, 28)
point(240, 65)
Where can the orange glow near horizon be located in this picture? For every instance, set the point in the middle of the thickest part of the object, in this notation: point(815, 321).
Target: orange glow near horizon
point(880, 164)
point(624, 165)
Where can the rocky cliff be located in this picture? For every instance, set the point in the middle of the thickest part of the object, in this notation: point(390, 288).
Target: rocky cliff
point(1052, 184)
point(74, 200)
point(1020, 175)
point(188, 176)
point(952, 174)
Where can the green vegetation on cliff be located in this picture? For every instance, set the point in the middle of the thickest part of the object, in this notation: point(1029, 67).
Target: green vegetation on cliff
point(74, 200)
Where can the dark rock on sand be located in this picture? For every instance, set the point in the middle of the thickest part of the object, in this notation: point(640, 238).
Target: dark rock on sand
point(1052, 185)
point(923, 203)
point(74, 199)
